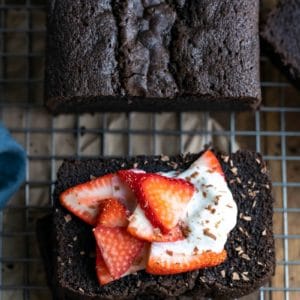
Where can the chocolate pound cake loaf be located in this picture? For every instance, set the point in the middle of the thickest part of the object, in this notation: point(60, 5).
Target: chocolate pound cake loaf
point(69, 254)
point(152, 55)
point(281, 34)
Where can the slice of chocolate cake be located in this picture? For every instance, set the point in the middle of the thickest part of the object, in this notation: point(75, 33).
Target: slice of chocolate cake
point(152, 55)
point(70, 258)
point(281, 34)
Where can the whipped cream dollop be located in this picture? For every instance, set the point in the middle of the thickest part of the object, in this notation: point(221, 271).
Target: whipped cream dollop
point(211, 214)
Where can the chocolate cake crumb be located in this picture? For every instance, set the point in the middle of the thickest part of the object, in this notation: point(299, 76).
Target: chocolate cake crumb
point(245, 277)
point(68, 218)
point(234, 170)
point(165, 158)
point(245, 256)
point(235, 276)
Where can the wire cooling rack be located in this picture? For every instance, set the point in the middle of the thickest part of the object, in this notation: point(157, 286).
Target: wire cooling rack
point(274, 131)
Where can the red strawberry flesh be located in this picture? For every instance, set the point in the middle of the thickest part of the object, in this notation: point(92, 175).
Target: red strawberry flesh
point(164, 199)
point(118, 248)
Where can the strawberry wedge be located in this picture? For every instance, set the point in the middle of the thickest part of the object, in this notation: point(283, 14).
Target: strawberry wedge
point(164, 200)
point(140, 227)
point(83, 199)
point(102, 272)
point(119, 252)
point(118, 248)
point(171, 263)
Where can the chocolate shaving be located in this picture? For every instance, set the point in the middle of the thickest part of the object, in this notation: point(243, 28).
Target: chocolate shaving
point(209, 234)
point(195, 174)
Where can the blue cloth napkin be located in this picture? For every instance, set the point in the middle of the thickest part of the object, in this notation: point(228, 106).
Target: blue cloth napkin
point(12, 166)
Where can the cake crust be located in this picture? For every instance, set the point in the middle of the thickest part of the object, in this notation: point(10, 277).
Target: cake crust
point(152, 55)
point(250, 246)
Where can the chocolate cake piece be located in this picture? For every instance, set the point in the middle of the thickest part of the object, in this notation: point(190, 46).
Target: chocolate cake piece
point(152, 55)
point(250, 246)
point(281, 34)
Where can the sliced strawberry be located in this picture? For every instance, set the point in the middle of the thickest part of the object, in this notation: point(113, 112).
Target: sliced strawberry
point(112, 213)
point(164, 199)
point(118, 248)
point(173, 263)
point(102, 272)
point(140, 227)
point(83, 199)
point(122, 192)
point(131, 177)
point(209, 160)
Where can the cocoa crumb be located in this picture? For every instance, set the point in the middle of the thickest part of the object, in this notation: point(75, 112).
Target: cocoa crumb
point(245, 256)
point(164, 158)
point(204, 194)
point(117, 188)
point(174, 165)
point(225, 158)
point(228, 205)
point(188, 178)
point(196, 250)
point(209, 234)
point(169, 252)
point(234, 171)
point(68, 218)
point(243, 195)
point(245, 277)
point(246, 218)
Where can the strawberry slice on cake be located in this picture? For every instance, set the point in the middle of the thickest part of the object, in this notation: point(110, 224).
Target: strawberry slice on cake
point(83, 200)
point(117, 251)
point(164, 200)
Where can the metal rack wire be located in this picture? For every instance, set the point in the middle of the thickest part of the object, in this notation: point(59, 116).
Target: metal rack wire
point(274, 131)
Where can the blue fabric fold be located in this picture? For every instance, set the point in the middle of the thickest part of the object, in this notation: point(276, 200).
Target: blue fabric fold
point(12, 166)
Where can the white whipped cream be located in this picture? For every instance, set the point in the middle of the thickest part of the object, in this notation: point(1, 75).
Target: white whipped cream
point(211, 214)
